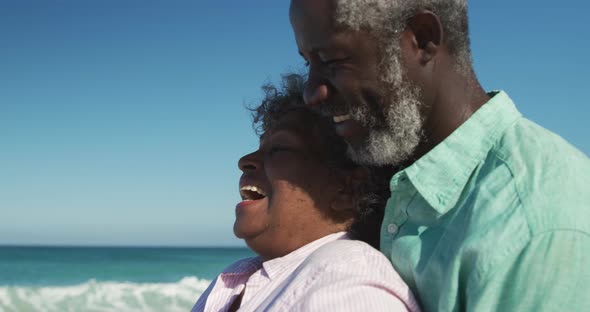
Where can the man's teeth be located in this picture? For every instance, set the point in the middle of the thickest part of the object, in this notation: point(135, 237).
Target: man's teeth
point(341, 118)
point(253, 188)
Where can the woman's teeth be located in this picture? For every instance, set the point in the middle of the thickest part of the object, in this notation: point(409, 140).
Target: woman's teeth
point(251, 192)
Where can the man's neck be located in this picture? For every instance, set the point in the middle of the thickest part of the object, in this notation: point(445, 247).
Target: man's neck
point(458, 98)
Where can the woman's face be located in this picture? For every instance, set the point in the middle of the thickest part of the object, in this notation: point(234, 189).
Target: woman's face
point(286, 189)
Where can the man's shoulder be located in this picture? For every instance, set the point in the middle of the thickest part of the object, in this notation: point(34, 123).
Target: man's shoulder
point(531, 182)
point(527, 144)
point(549, 176)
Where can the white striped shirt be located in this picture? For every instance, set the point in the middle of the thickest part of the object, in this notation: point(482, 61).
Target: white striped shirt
point(333, 273)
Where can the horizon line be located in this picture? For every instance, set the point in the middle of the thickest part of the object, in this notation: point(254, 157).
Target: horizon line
point(3, 245)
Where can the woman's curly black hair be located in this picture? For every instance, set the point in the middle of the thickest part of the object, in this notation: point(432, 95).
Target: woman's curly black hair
point(370, 195)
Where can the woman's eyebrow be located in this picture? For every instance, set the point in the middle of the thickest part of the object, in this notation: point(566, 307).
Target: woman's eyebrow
point(289, 134)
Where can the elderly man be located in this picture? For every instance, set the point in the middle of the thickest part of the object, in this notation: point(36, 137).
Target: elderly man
point(488, 211)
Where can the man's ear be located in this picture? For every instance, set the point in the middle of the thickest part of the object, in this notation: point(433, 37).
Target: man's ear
point(427, 35)
point(345, 197)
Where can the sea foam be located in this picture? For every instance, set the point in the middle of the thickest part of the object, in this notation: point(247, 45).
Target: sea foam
point(105, 296)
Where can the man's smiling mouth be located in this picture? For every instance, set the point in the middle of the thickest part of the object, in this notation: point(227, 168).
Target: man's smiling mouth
point(341, 118)
point(251, 192)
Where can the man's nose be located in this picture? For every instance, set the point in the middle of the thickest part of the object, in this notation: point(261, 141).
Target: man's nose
point(316, 91)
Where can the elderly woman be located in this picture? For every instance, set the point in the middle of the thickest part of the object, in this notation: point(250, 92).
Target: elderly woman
point(300, 195)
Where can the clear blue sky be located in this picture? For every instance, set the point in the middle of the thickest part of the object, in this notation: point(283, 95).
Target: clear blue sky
point(121, 121)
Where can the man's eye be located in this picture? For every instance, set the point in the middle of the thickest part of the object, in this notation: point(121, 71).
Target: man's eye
point(335, 61)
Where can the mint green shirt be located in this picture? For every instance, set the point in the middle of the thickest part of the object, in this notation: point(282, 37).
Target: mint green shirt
point(495, 218)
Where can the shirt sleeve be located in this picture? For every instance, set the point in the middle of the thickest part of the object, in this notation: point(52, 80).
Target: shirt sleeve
point(202, 301)
point(552, 273)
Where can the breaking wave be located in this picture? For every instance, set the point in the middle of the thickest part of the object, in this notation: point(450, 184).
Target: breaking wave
point(104, 296)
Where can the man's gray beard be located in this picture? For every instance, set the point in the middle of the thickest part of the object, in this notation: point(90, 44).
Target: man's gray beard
point(394, 142)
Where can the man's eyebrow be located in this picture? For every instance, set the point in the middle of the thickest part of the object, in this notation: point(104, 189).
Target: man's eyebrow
point(311, 51)
point(303, 56)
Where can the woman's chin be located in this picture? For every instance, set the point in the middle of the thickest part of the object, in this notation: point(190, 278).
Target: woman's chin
point(238, 231)
point(245, 230)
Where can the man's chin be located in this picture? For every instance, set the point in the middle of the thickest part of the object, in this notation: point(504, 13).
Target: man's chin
point(352, 132)
point(360, 153)
point(380, 149)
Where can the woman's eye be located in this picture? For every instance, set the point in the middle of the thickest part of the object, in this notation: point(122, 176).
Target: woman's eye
point(276, 149)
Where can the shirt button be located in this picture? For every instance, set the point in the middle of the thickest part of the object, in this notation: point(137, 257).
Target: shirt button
point(392, 228)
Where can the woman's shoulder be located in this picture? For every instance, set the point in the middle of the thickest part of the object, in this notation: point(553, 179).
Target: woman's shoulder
point(348, 269)
point(346, 248)
point(351, 256)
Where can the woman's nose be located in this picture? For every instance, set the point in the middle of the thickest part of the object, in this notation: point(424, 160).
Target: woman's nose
point(249, 162)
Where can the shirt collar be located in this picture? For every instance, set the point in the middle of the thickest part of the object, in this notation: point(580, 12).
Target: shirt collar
point(244, 267)
point(441, 175)
point(275, 266)
point(239, 272)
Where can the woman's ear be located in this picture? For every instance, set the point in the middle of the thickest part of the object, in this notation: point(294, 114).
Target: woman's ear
point(345, 198)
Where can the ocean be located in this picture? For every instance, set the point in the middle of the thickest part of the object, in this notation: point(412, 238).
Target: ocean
point(108, 278)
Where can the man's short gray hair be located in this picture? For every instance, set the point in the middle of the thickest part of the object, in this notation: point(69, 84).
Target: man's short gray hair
point(386, 18)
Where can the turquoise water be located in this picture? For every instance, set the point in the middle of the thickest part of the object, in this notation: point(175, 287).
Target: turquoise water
point(108, 279)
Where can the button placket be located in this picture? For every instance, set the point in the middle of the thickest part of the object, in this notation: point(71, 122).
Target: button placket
point(401, 196)
point(392, 228)
point(395, 214)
